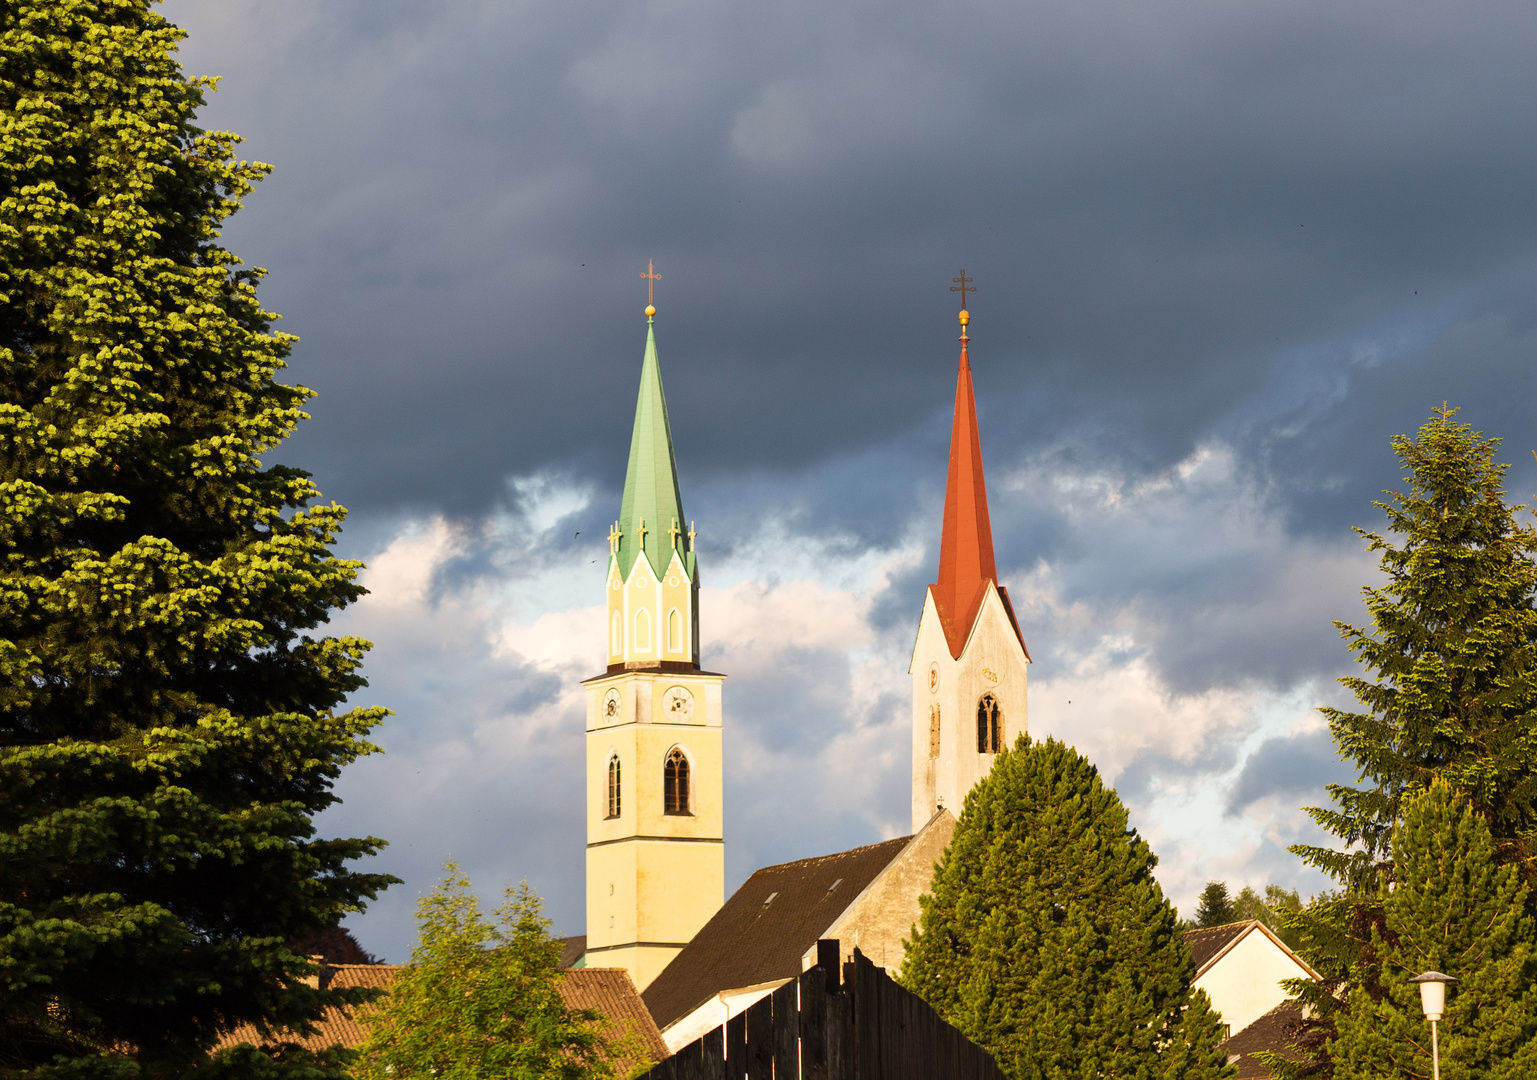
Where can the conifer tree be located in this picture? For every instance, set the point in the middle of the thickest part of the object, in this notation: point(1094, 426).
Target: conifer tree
point(1452, 909)
point(169, 724)
point(1046, 938)
point(1451, 697)
point(481, 998)
point(1216, 906)
point(1452, 652)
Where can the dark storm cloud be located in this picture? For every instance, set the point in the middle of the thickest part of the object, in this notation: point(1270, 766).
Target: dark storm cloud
point(1296, 766)
point(1185, 219)
point(1224, 253)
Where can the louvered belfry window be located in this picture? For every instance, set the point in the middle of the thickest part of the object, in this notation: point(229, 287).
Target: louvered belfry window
point(675, 782)
point(989, 725)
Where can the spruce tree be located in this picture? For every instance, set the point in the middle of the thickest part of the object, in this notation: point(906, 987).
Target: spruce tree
point(1452, 909)
point(169, 724)
point(1451, 655)
point(1450, 695)
point(1216, 906)
point(481, 998)
point(1046, 938)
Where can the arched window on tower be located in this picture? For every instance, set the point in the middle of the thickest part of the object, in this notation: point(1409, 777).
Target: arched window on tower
point(989, 725)
point(613, 786)
point(674, 631)
point(675, 782)
point(616, 632)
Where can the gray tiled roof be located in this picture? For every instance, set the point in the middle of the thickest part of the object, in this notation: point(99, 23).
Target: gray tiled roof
point(764, 929)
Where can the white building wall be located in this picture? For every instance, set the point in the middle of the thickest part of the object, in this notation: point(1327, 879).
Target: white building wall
point(993, 661)
point(715, 1012)
point(1244, 983)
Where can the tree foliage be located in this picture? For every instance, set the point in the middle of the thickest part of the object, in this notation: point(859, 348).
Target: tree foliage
point(481, 998)
point(1452, 909)
point(169, 725)
point(1216, 906)
point(1450, 697)
point(1046, 938)
point(1451, 654)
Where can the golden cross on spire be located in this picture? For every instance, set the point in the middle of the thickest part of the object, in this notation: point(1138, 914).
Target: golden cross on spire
point(614, 536)
point(692, 533)
point(965, 286)
point(642, 530)
point(652, 277)
point(674, 532)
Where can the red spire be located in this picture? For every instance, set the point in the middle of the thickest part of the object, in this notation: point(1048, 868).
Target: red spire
point(966, 549)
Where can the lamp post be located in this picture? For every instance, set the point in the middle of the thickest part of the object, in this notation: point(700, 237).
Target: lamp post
point(1433, 1000)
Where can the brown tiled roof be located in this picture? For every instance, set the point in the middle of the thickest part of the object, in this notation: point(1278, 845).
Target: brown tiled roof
point(1206, 943)
point(609, 991)
point(763, 930)
point(1268, 1033)
point(572, 949)
point(338, 1025)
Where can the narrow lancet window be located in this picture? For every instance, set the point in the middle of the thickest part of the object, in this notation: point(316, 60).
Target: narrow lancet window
point(933, 731)
point(674, 631)
point(613, 786)
point(989, 725)
point(675, 782)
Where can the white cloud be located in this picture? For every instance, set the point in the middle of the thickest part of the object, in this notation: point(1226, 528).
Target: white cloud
point(484, 632)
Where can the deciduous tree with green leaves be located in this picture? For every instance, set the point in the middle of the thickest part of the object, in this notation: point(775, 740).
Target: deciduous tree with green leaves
point(171, 721)
point(1452, 908)
point(481, 998)
point(1046, 938)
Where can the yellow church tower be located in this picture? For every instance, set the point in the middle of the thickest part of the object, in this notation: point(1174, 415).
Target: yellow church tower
point(655, 850)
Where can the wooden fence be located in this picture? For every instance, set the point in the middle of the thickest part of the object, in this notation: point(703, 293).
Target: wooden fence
point(820, 1027)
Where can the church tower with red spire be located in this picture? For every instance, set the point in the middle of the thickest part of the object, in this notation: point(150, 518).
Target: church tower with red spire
point(970, 659)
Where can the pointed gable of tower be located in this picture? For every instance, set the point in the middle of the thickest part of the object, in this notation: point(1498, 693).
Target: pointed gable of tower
point(966, 547)
point(652, 501)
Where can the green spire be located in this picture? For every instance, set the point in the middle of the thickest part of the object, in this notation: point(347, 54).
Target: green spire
point(651, 495)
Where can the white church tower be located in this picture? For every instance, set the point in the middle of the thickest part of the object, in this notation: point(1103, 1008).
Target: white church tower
point(970, 660)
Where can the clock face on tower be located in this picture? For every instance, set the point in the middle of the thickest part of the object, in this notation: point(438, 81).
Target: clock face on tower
point(678, 704)
point(611, 707)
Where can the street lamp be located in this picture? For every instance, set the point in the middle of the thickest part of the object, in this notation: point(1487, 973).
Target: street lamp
point(1433, 1000)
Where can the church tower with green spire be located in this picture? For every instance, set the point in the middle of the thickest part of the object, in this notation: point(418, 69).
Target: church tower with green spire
point(655, 852)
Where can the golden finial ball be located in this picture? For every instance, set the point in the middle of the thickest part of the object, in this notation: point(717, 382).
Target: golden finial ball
point(965, 316)
point(650, 310)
